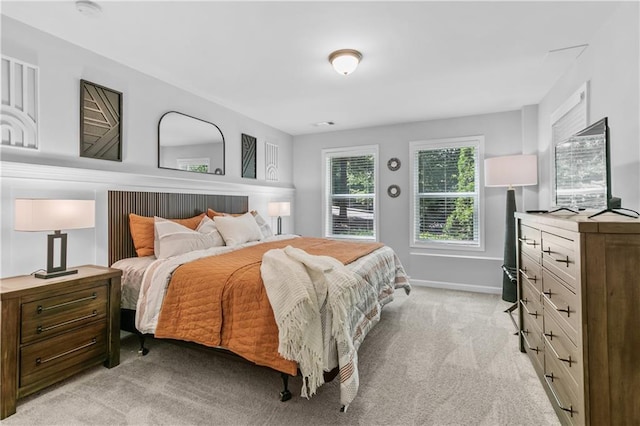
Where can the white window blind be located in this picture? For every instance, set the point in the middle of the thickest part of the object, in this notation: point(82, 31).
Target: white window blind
point(350, 193)
point(568, 119)
point(446, 201)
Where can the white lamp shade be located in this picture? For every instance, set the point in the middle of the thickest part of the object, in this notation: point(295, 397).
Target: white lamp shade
point(279, 209)
point(511, 170)
point(53, 215)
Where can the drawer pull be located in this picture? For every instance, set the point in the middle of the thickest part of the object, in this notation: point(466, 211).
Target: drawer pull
point(570, 410)
point(548, 251)
point(86, 345)
point(547, 293)
point(42, 329)
point(567, 360)
point(525, 331)
point(567, 261)
point(71, 302)
point(525, 300)
point(524, 272)
point(535, 314)
point(549, 335)
point(567, 311)
point(529, 346)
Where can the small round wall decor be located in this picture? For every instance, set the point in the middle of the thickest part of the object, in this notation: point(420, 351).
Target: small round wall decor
point(393, 191)
point(393, 164)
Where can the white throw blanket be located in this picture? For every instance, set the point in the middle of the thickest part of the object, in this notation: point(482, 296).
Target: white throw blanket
point(298, 284)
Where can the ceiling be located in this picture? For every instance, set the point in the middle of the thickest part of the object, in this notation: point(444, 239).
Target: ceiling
point(268, 60)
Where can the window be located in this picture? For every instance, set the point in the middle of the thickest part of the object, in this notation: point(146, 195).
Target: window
point(446, 193)
point(569, 118)
point(350, 192)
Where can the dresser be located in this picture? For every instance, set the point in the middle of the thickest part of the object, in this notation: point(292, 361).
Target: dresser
point(579, 299)
point(54, 328)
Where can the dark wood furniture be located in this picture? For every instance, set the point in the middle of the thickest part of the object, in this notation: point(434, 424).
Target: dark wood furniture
point(579, 294)
point(54, 328)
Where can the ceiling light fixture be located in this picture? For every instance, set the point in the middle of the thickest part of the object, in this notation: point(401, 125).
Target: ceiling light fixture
point(345, 61)
point(324, 123)
point(88, 8)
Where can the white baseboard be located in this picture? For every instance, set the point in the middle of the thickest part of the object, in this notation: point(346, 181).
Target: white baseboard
point(457, 286)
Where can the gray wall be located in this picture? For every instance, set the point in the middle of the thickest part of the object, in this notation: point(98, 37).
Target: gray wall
point(55, 170)
point(472, 270)
point(610, 65)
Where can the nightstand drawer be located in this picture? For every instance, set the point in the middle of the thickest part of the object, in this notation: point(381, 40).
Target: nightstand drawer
point(66, 351)
point(54, 315)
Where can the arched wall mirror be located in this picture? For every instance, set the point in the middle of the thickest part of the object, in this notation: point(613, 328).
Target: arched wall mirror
point(189, 143)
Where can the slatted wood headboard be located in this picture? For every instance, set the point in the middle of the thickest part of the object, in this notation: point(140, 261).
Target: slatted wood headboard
point(163, 204)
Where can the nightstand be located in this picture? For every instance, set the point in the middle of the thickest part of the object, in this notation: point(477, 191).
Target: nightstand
point(54, 328)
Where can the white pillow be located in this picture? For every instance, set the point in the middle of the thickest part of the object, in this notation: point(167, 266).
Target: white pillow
point(265, 229)
point(172, 239)
point(238, 230)
point(208, 226)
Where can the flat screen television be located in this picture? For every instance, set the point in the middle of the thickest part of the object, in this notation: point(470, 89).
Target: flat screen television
point(583, 169)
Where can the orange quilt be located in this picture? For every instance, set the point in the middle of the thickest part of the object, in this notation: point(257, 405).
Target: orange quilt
point(221, 300)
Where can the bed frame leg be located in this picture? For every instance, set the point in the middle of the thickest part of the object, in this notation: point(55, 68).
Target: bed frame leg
point(142, 351)
point(285, 395)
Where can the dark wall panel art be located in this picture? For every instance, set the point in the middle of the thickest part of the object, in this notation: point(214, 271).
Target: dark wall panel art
point(100, 122)
point(248, 156)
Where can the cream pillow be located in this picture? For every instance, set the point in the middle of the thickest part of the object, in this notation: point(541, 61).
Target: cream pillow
point(172, 239)
point(238, 230)
point(208, 227)
point(265, 229)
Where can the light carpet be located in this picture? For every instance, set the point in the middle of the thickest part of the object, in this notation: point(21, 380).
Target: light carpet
point(437, 357)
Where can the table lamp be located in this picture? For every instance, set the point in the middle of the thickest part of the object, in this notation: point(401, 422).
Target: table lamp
point(510, 171)
point(279, 209)
point(54, 215)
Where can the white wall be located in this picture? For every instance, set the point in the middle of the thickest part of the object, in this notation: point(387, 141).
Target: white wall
point(610, 65)
point(472, 270)
point(55, 170)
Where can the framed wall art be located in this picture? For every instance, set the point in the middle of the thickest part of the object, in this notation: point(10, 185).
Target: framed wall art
point(100, 122)
point(248, 156)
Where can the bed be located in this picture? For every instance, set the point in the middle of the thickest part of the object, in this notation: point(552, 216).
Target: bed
point(242, 298)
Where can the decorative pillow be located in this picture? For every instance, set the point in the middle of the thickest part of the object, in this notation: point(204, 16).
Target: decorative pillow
point(208, 227)
point(142, 232)
point(172, 239)
point(238, 230)
point(212, 213)
point(265, 229)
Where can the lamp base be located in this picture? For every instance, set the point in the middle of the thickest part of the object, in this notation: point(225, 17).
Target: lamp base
point(48, 275)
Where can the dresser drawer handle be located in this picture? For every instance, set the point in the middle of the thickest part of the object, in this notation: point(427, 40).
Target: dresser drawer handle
point(529, 346)
point(41, 309)
point(42, 329)
point(525, 331)
point(567, 311)
point(525, 300)
point(548, 251)
point(86, 345)
point(550, 335)
point(567, 261)
point(524, 272)
point(535, 314)
point(547, 293)
point(570, 410)
point(568, 360)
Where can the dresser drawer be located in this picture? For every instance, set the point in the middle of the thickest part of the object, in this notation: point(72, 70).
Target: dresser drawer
point(529, 240)
point(531, 304)
point(562, 301)
point(530, 271)
point(533, 342)
point(66, 351)
point(54, 315)
point(559, 256)
point(559, 346)
point(565, 394)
